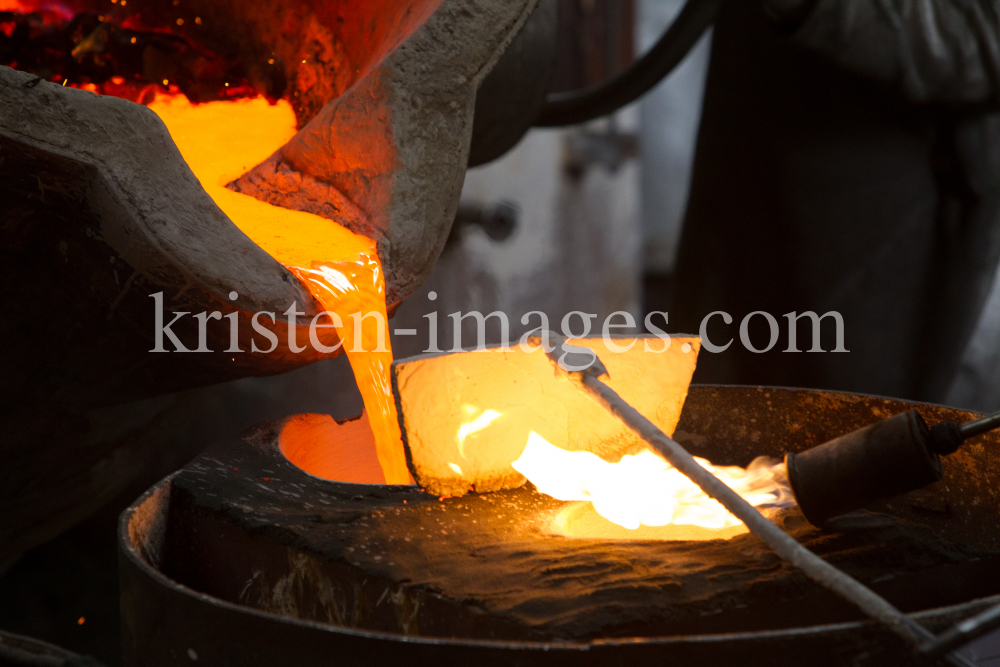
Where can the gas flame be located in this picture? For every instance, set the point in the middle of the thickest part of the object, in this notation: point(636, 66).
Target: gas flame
point(643, 489)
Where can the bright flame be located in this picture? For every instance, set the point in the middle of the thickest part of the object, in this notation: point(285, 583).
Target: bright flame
point(643, 489)
point(474, 426)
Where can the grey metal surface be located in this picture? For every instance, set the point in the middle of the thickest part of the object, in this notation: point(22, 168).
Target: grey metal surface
point(511, 95)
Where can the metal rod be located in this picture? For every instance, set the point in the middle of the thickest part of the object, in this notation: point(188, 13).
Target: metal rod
point(963, 632)
point(781, 542)
point(979, 426)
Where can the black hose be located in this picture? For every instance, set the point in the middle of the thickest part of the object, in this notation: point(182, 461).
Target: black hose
point(579, 106)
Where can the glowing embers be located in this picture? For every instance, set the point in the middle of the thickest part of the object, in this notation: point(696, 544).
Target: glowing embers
point(644, 490)
point(106, 47)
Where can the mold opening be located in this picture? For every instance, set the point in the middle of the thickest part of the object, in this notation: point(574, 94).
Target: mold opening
point(336, 450)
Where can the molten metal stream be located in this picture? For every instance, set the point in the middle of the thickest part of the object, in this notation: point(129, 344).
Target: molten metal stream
point(220, 141)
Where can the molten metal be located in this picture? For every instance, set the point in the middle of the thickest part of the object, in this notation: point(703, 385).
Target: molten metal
point(171, 66)
point(220, 141)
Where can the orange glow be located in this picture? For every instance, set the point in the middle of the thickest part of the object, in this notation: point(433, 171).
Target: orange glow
point(221, 141)
point(644, 490)
point(344, 452)
point(481, 421)
point(59, 9)
point(354, 289)
point(581, 520)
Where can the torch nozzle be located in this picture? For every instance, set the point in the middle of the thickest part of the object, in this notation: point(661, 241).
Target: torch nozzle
point(888, 458)
point(947, 437)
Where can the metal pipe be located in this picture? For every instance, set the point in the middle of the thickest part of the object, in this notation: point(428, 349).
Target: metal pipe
point(963, 632)
point(579, 106)
point(979, 426)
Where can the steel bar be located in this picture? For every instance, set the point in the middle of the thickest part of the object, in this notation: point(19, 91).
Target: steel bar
point(783, 544)
point(979, 426)
point(963, 632)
